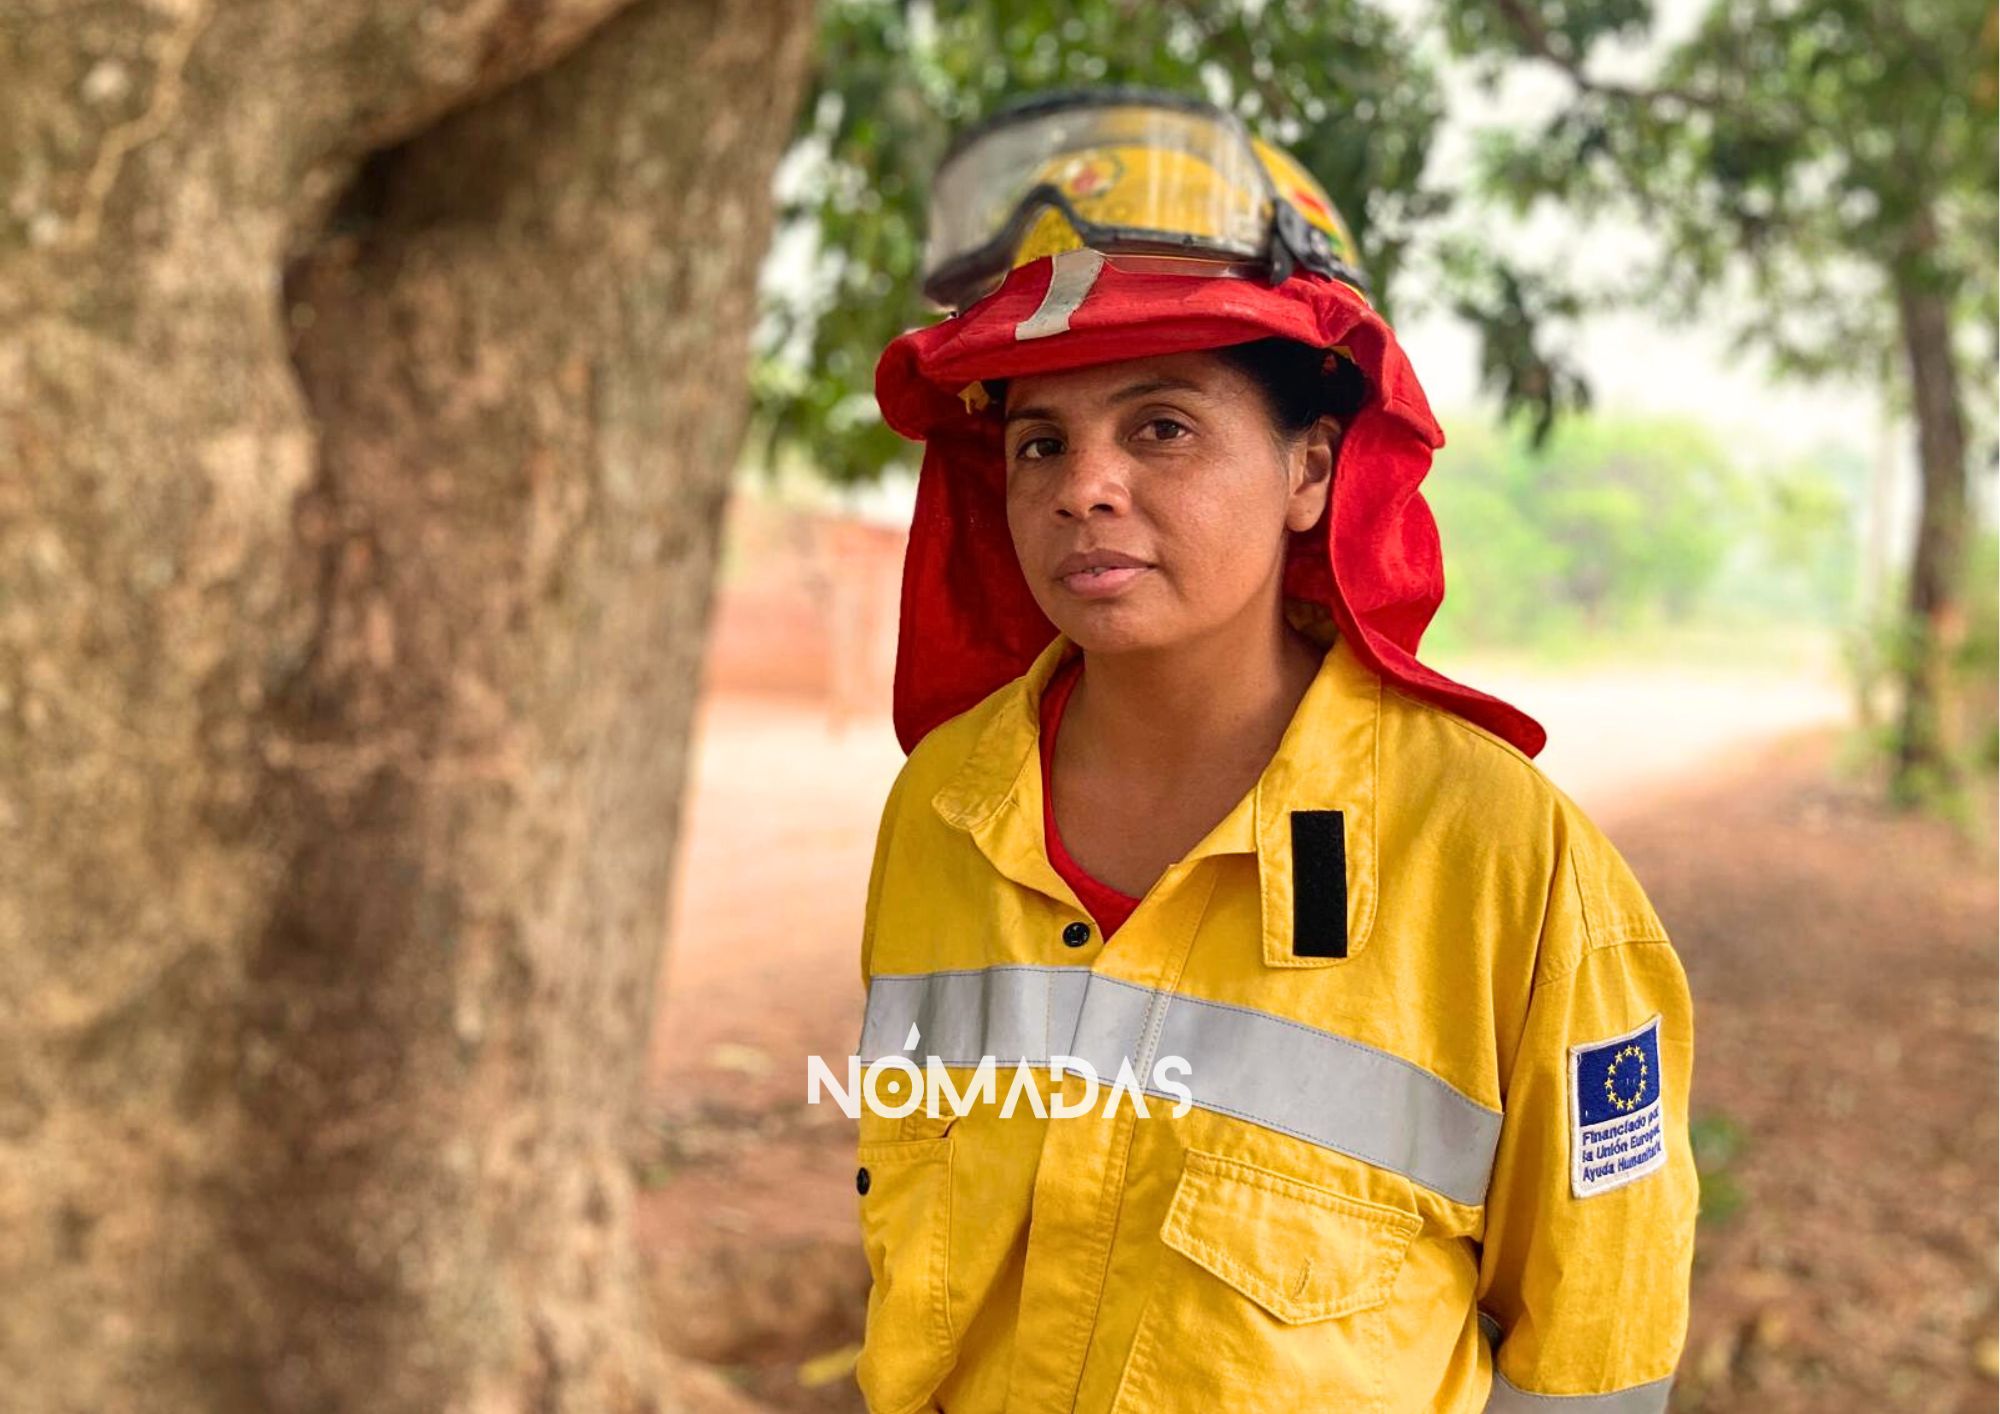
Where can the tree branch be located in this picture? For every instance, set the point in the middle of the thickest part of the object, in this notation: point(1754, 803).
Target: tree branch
point(1529, 28)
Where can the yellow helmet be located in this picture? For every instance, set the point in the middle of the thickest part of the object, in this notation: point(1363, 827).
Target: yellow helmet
point(1126, 172)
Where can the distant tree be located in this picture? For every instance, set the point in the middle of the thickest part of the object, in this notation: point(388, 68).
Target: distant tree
point(1806, 515)
point(1821, 176)
point(1610, 521)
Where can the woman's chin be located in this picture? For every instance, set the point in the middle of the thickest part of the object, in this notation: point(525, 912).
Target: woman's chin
point(1106, 628)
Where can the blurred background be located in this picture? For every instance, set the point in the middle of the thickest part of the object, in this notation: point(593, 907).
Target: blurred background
point(1642, 262)
point(449, 563)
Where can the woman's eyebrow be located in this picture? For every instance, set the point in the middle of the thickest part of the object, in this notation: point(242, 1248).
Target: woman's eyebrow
point(1123, 395)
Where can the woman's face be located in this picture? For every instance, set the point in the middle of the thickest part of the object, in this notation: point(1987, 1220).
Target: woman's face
point(1165, 471)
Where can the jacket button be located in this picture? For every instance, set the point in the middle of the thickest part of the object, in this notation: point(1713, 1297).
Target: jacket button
point(861, 1181)
point(1077, 934)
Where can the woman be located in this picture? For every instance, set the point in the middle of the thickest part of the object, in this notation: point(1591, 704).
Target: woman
point(1178, 789)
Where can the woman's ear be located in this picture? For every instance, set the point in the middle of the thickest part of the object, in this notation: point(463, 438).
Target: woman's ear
point(1312, 473)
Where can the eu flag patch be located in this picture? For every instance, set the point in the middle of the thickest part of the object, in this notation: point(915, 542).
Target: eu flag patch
point(1617, 1120)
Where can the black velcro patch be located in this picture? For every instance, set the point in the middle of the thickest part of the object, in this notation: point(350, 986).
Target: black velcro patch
point(1319, 884)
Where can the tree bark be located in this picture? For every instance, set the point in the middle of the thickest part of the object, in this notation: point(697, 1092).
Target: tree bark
point(1925, 748)
point(369, 382)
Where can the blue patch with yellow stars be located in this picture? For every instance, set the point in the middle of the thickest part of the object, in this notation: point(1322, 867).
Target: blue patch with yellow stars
point(1617, 1120)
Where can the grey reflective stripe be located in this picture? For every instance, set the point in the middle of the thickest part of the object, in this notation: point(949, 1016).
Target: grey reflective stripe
point(1506, 1398)
point(1009, 1013)
point(1071, 274)
point(1253, 1065)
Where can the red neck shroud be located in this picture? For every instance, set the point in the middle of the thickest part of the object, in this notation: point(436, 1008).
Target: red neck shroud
point(970, 625)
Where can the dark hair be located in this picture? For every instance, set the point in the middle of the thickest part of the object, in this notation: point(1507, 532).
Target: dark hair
point(1297, 386)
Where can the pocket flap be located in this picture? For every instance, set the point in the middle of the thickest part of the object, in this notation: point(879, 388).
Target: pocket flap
point(1302, 1252)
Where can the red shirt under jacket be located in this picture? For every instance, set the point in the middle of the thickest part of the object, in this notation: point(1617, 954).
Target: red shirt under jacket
point(1108, 906)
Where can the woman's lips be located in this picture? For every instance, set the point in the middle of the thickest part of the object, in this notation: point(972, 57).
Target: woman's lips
point(1104, 583)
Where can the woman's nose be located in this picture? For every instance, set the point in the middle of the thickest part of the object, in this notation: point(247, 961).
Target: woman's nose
point(1094, 479)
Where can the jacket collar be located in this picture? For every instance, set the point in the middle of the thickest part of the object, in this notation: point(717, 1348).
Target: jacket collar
point(1327, 759)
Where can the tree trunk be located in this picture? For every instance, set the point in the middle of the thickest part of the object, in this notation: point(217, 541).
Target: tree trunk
point(369, 384)
point(1925, 748)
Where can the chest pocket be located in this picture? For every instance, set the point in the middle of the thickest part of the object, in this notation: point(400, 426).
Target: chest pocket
point(1281, 1299)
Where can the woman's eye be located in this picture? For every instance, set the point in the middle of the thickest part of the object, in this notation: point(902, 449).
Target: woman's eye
point(1165, 429)
point(1026, 452)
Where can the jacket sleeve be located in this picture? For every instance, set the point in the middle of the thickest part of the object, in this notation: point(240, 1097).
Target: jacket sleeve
point(871, 912)
point(1590, 1216)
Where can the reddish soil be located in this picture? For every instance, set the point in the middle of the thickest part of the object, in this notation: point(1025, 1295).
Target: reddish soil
point(1843, 960)
point(1843, 965)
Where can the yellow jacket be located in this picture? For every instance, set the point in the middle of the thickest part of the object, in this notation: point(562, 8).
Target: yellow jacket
point(1438, 1047)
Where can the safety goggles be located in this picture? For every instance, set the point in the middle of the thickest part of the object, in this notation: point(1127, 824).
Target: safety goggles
point(1125, 172)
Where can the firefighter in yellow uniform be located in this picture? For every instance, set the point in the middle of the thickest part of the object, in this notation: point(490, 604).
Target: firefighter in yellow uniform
point(1376, 1098)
